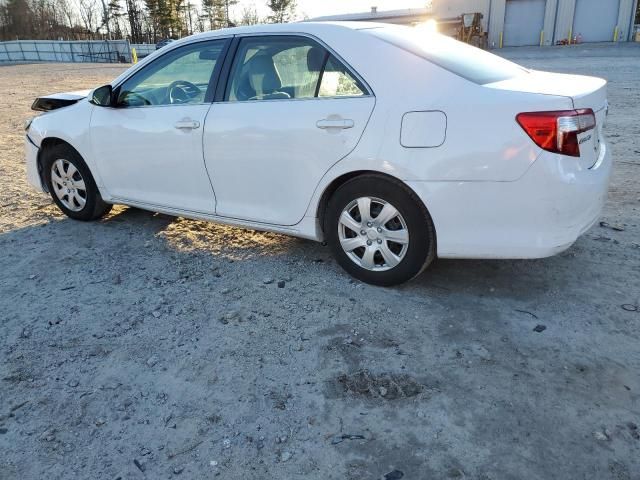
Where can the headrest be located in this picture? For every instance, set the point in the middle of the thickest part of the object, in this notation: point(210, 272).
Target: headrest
point(315, 59)
point(263, 76)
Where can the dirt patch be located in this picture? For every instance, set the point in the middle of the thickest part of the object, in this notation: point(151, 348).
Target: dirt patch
point(387, 386)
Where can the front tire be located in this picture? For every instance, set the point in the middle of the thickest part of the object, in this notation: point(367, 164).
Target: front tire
point(71, 184)
point(379, 230)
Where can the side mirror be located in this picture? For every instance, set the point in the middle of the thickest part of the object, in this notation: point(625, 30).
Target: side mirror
point(103, 96)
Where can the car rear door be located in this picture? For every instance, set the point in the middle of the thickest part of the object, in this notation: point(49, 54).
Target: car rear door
point(291, 109)
point(148, 147)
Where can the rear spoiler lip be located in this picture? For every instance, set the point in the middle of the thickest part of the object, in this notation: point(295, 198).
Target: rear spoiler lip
point(58, 100)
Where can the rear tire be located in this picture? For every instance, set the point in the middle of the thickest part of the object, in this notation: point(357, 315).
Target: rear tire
point(389, 245)
point(71, 184)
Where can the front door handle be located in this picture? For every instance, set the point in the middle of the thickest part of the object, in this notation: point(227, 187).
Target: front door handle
point(337, 123)
point(187, 124)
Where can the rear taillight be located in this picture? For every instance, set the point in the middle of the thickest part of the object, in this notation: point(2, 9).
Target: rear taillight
point(558, 131)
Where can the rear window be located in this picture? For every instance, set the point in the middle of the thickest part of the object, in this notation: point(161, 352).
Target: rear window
point(468, 62)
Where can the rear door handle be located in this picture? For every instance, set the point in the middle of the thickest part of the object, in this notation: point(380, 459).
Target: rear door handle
point(187, 124)
point(341, 124)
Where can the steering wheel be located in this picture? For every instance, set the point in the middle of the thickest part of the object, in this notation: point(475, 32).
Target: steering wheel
point(182, 91)
point(133, 99)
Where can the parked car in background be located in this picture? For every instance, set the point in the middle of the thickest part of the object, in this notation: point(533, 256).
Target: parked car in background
point(164, 42)
point(393, 145)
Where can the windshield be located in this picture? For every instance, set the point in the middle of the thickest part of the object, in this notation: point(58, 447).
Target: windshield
point(468, 62)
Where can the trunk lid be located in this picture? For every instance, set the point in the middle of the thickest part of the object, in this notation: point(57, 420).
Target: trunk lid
point(58, 100)
point(584, 92)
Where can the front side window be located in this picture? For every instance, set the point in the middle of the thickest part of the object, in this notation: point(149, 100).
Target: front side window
point(283, 68)
point(181, 76)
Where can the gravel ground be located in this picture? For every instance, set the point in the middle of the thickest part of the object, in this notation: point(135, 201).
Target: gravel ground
point(147, 346)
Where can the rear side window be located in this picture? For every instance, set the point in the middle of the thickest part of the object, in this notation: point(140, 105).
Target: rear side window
point(288, 67)
point(293, 67)
point(337, 81)
point(468, 62)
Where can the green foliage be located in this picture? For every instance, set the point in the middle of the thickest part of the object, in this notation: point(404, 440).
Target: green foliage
point(281, 10)
point(217, 12)
point(167, 17)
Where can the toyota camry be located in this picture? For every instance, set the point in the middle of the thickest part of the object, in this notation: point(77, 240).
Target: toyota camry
point(392, 144)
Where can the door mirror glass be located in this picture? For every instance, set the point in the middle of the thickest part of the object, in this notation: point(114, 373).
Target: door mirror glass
point(102, 96)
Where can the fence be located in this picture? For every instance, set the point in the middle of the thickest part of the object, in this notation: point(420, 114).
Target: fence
point(143, 49)
point(99, 51)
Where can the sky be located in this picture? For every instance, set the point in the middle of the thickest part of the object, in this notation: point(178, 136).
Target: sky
point(316, 8)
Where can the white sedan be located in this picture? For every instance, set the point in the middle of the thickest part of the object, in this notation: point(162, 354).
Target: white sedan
point(392, 144)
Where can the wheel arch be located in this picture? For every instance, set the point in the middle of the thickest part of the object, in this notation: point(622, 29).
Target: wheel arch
point(340, 180)
point(50, 142)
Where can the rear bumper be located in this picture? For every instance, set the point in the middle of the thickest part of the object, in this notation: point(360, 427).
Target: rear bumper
point(31, 157)
point(539, 215)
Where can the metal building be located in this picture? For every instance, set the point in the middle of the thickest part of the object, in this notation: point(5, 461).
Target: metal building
point(547, 22)
point(524, 22)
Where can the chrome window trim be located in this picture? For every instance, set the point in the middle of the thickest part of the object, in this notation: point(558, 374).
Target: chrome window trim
point(306, 99)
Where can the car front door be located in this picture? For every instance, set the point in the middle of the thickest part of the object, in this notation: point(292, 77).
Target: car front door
point(148, 146)
point(291, 110)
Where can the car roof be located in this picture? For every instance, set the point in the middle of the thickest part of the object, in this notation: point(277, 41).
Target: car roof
point(296, 27)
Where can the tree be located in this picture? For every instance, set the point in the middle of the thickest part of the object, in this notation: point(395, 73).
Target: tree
point(282, 10)
point(166, 18)
point(67, 12)
point(134, 16)
point(113, 17)
point(190, 12)
point(153, 18)
point(210, 12)
point(217, 12)
point(175, 18)
point(227, 4)
point(17, 19)
point(249, 16)
point(88, 10)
